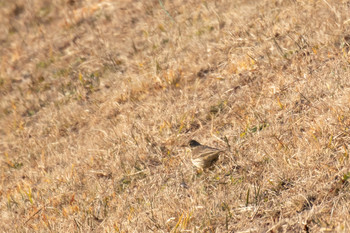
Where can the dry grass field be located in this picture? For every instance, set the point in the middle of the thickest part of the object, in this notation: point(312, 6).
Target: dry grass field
point(99, 98)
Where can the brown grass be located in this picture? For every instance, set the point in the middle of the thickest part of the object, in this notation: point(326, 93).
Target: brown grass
point(97, 99)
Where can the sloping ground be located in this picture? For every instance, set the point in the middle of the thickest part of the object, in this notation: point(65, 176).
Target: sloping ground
point(98, 99)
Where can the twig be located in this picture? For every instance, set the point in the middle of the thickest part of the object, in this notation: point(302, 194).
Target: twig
point(33, 215)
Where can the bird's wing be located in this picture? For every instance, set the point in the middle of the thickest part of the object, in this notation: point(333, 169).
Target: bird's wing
point(208, 151)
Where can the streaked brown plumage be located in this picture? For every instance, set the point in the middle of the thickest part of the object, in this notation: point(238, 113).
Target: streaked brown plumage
point(203, 156)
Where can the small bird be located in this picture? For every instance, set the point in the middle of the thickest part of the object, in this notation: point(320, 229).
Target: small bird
point(203, 156)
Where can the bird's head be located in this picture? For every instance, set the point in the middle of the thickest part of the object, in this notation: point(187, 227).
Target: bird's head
point(194, 143)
